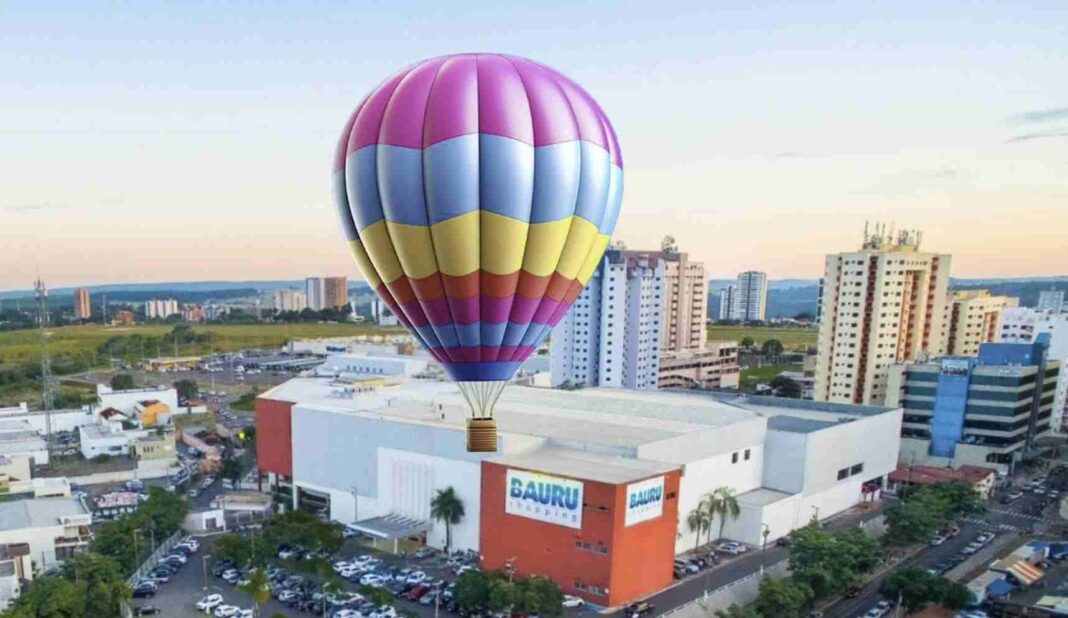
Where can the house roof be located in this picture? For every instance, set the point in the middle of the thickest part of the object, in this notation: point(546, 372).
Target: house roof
point(929, 475)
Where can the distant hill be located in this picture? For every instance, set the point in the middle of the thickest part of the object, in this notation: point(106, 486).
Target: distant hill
point(177, 289)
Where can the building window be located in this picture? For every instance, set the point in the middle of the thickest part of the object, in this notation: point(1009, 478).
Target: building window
point(734, 458)
point(747, 454)
point(843, 474)
point(857, 469)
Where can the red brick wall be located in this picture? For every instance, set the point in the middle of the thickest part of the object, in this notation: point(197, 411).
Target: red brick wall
point(638, 561)
point(274, 436)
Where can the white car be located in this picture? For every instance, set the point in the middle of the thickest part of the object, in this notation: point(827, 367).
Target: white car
point(209, 602)
point(417, 577)
point(342, 565)
point(384, 611)
point(937, 540)
point(244, 613)
point(226, 611)
point(573, 601)
point(348, 613)
point(372, 579)
point(192, 546)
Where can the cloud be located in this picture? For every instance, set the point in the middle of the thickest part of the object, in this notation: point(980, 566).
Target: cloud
point(1026, 137)
point(33, 207)
point(1045, 115)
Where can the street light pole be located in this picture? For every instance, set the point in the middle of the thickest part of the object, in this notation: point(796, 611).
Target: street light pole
point(204, 562)
point(764, 548)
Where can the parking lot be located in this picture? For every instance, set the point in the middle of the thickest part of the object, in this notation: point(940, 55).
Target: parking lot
point(194, 580)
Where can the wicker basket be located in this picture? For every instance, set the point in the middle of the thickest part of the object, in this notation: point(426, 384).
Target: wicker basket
point(481, 435)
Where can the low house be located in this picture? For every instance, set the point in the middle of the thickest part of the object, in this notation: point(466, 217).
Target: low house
point(52, 529)
point(982, 479)
point(152, 412)
point(106, 439)
point(115, 503)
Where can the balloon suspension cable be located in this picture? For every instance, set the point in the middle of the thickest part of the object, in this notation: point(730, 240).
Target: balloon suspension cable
point(481, 428)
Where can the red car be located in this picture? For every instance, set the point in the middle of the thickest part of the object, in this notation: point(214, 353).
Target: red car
point(417, 593)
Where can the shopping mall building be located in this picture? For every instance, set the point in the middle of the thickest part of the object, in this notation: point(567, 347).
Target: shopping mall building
point(590, 487)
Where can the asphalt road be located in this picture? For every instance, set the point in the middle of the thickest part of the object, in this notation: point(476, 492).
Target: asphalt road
point(734, 569)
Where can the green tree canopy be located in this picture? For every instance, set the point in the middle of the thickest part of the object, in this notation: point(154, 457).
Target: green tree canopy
point(786, 387)
point(232, 470)
point(50, 596)
point(122, 382)
point(105, 586)
point(782, 597)
point(772, 348)
point(748, 342)
point(831, 563)
point(738, 611)
point(187, 389)
point(916, 587)
point(447, 506)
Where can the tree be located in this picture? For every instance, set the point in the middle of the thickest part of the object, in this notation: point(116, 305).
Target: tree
point(122, 382)
point(912, 521)
point(232, 470)
point(187, 389)
point(748, 342)
point(304, 529)
point(698, 521)
point(782, 597)
point(50, 596)
point(105, 587)
point(786, 387)
point(501, 595)
point(472, 591)
point(446, 506)
point(916, 587)
point(257, 585)
point(539, 596)
point(163, 512)
point(378, 596)
point(737, 611)
point(831, 563)
point(723, 503)
point(772, 348)
point(116, 539)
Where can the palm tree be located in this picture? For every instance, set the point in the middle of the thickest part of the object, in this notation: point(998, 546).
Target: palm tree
point(698, 522)
point(449, 508)
point(721, 502)
point(258, 587)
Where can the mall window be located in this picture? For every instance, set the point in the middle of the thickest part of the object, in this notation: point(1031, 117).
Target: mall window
point(747, 454)
point(857, 469)
point(843, 474)
point(734, 458)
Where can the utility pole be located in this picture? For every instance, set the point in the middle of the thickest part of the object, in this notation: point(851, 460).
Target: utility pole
point(47, 385)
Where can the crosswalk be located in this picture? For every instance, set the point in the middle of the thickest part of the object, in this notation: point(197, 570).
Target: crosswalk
point(1015, 513)
point(992, 524)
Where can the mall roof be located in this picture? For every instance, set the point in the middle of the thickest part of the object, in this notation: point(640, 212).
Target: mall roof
point(794, 424)
point(38, 513)
point(586, 466)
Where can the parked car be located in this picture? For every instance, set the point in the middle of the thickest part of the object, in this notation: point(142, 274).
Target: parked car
point(146, 610)
point(226, 611)
point(425, 552)
point(937, 540)
point(144, 590)
point(416, 593)
point(732, 548)
point(636, 610)
point(573, 601)
point(209, 602)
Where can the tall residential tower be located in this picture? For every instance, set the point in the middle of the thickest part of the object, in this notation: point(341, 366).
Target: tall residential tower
point(81, 304)
point(882, 305)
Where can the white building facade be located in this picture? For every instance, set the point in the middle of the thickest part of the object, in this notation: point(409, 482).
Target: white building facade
point(1023, 325)
point(161, 308)
point(611, 334)
point(290, 300)
point(751, 300)
point(315, 293)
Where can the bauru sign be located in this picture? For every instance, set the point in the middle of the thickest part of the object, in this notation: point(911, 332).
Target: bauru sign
point(546, 498)
point(645, 501)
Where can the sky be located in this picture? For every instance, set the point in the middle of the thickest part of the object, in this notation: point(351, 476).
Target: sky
point(145, 142)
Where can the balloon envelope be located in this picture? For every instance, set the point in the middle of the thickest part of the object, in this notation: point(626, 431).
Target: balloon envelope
point(477, 193)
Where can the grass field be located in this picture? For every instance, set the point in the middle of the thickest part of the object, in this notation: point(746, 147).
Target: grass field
point(83, 341)
point(791, 338)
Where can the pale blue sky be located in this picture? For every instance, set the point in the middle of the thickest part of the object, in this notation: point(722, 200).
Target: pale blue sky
point(146, 142)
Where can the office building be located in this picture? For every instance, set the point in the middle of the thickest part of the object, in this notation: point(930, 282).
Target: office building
point(123, 317)
point(685, 302)
point(1051, 300)
point(1022, 325)
point(751, 299)
point(160, 308)
point(714, 366)
point(882, 305)
point(975, 410)
point(315, 293)
point(290, 300)
point(589, 487)
point(193, 313)
point(335, 292)
point(81, 304)
point(728, 301)
point(973, 317)
point(611, 334)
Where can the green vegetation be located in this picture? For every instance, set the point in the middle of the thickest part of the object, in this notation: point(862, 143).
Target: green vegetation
point(204, 419)
point(783, 597)
point(90, 586)
point(232, 470)
point(127, 540)
point(247, 401)
point(792, 338)
point(123, 382)
point(498, 592)
point(187, 389)
point(786, 387)
point(916, 588)
point(258, 587)
point(446, 506)
point(749, 378)
point(84, 342)
point(722, 503)
point(831, 563)
point(925, 510)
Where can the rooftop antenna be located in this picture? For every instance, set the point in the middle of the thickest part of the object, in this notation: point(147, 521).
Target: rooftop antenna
point(40, 293)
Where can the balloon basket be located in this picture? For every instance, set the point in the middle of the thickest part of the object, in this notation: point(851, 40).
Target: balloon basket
point(481, 435)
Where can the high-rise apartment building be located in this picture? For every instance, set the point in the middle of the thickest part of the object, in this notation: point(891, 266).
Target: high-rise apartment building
point(335, 292)
point(882, 305)
point(728, 299)
point(973, 317)
point(1051, 300)
point(611, 334)
point(160, 308)
point(193, 313)
point(81, 304)
point(315, 292)
point(685, 301)
point(1023, 325)
point(751, 299)
point(290, 300)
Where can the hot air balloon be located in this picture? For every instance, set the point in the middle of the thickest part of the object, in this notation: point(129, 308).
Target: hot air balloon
point(477, 193)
